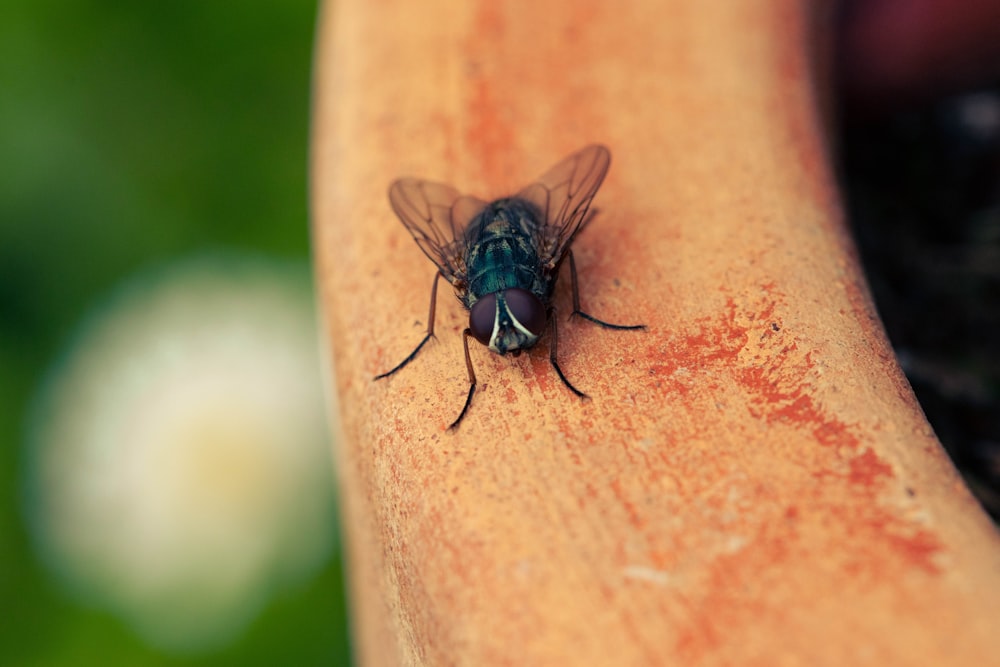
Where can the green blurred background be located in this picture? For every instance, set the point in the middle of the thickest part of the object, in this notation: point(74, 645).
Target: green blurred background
point(132, 134)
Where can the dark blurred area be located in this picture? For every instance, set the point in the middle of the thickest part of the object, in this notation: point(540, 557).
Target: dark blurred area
point(922, 187)
point(918, 85)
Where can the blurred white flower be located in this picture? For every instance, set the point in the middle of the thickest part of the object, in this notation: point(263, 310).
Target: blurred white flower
point(179, 465)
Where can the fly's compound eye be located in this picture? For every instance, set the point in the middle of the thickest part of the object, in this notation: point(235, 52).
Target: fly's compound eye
point(525, 307)
point(482, 318)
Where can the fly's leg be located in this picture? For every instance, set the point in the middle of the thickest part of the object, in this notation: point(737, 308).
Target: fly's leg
point(554, 342)
point(554, 351)
point(472, 379)
point(430, 332)
point(576, 303)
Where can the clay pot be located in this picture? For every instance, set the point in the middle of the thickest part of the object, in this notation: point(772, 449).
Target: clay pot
point(752, 481)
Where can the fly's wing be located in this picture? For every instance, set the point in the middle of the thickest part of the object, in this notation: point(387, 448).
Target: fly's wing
point(563, 195)
point(436, 215)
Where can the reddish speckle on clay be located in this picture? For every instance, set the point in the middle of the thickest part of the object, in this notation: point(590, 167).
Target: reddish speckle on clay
point(749, 347)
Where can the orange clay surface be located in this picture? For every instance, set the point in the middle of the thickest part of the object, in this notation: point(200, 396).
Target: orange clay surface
point(752, 482)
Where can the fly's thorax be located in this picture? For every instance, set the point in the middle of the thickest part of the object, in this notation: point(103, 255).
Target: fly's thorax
point(508, 321)
point(501, 250)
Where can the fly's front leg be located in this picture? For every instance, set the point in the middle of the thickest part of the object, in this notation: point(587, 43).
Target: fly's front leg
point(554, 350)
point(430, 331)
point(576, 302)
point(472, 379)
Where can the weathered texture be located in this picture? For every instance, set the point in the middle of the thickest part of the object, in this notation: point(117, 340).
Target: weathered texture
point(752, 483)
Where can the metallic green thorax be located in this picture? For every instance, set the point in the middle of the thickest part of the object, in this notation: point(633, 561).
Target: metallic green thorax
point(502, 252)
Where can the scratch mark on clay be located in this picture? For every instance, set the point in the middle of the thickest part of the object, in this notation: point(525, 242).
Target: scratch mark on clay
point(647, 574)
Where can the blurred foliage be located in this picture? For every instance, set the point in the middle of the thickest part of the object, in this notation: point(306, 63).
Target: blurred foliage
point(132, 133)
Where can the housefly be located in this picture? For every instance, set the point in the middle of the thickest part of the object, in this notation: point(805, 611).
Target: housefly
point(503, 257)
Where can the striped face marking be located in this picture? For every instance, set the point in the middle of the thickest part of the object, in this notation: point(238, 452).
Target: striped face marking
point(509, 320)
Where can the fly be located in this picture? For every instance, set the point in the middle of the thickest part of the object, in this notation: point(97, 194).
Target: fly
point(503, 257)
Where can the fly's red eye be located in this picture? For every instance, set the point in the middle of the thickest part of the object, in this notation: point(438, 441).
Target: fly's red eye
point(482, 318)
point(526, 309)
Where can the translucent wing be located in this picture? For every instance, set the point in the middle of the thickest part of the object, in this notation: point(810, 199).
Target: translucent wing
point(563, 194)
point(436, 215)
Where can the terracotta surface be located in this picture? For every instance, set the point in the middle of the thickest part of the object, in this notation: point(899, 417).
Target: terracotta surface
point(752, 483)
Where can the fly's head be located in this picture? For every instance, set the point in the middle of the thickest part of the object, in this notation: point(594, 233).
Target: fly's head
point(508, 321)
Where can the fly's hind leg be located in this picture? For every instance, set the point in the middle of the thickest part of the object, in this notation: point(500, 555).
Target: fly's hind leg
point(576, 303)
point(430, 332)
point(472, 379)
